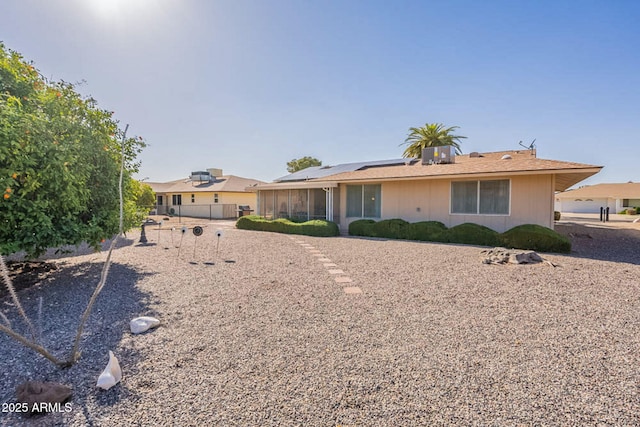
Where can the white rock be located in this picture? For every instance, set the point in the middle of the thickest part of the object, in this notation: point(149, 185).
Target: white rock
point(143, 324)
point(111, 375)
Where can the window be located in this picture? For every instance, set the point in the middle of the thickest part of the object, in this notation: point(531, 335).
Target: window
point(159, 201)
point(363, 201)
point(464, 197)
point(480, 197)
point(215, 198)
point(177, 199)
point(193, 198)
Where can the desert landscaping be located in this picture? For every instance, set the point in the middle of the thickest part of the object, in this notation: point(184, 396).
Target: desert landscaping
point(262, 328)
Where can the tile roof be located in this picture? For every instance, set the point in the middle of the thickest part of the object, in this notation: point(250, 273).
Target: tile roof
point(628, 190)
point(226, 183)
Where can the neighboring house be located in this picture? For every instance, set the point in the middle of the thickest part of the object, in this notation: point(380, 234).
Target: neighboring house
point(205, 194)
point(590, 198)
point(498, 190)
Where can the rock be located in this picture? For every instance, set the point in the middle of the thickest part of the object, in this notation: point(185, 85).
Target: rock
point(111, 375)
point(36, 393)
point(143, 324)
point(525, 258)
point(508, 256)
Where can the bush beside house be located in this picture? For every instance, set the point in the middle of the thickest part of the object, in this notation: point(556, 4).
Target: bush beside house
point(529, 236)
point(536, 238)
point(316, 227)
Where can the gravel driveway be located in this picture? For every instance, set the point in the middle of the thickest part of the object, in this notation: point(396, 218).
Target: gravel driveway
point(268, 336)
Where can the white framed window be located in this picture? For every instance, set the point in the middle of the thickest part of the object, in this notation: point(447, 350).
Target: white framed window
point(490, 197)
point(363, 201)
point(216, 198)
point(176, 199)
point(193, 198)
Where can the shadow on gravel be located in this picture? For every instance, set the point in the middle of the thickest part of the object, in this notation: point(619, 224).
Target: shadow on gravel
point(65, 295)
point(602, 242)
point(72, 251)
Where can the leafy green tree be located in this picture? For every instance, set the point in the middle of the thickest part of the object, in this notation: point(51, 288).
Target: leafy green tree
point(430, 135)
point(140, 199)
point(59, 162)
point(147, 198)
point(296, 165)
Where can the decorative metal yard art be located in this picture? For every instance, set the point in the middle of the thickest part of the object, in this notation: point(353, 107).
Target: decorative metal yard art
point(219, 236)
point(159, 227)
point(197, 231)
point(183, 230)
point(172, 230)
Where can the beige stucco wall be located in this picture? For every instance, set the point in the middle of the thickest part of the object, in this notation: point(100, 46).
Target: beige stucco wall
point(206, 198)
point(429, 200)
point(202, 200)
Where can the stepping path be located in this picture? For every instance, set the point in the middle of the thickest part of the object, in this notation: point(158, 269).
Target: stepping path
point(338, 275)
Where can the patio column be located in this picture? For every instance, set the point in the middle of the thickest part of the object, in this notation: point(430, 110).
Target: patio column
point(328, 203)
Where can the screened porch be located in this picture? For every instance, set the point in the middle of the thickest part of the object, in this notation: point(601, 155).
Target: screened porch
point(300, 204)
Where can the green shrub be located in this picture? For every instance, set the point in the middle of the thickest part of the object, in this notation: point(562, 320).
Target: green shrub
point(390, 228)
point(430, 231)
point(316, 227)
point(473, 234)
point(536, 238)
point(528, 236)
point(556, 215)
point(361, 227)
point(632, 211)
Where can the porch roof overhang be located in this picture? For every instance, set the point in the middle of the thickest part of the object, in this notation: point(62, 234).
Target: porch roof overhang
point(563, 178)
point(300, 185)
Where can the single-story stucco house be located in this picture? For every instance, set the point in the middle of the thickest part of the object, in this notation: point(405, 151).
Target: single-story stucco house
point(590, 198)
point(499, 190)
point(205, 194)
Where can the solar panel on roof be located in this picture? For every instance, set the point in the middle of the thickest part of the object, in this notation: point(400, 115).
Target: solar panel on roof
point(316, 172)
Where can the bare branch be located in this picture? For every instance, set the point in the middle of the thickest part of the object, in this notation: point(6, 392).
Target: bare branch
point(14, 296)
point(5, 319)
point(32, 345)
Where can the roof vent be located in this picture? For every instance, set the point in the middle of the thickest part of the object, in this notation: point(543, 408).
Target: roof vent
point(506, 157)
point(474, 154)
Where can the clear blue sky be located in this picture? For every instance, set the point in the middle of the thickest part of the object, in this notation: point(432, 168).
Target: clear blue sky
point(248, 85)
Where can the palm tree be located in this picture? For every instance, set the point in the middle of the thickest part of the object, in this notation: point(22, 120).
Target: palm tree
point(430, 135)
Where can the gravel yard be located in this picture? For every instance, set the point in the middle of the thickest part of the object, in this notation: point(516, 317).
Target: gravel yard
point(267, 335)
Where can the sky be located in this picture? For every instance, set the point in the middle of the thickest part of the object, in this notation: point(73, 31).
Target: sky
point(248, 85)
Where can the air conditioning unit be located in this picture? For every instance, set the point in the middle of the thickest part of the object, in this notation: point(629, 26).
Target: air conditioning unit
point(437, 155)
point(201, 176)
